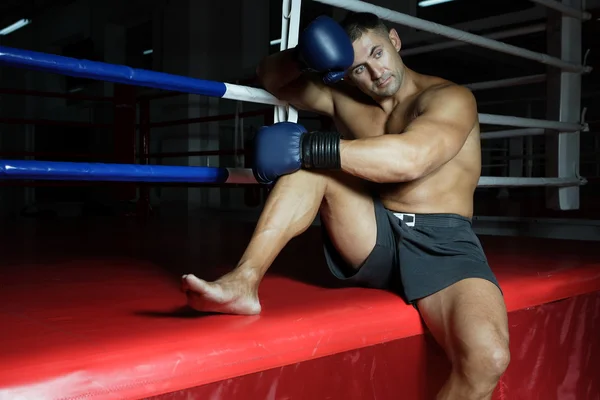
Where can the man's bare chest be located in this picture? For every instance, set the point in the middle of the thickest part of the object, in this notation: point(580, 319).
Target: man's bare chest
point(361, 121)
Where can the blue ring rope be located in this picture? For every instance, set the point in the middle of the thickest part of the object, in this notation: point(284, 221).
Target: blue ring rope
point(108, 72)
point(73, 171)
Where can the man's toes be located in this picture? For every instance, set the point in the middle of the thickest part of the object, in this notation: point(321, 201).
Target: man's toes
point(209, 290)
point(191, 282)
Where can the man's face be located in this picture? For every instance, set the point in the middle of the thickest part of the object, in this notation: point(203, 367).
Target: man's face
point(377, 68)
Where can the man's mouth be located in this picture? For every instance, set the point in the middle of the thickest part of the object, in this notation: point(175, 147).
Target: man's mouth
point(384, 82)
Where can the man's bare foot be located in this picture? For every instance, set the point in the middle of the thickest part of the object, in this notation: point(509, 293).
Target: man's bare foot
point(230, 294)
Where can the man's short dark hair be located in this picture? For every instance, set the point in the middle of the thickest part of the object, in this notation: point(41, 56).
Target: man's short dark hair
point(357, 23)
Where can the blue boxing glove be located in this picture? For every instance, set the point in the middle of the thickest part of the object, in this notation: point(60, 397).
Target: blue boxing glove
point(325, 47)
point(286, 147)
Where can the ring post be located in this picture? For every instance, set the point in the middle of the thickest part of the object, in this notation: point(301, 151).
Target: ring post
point(564, 102)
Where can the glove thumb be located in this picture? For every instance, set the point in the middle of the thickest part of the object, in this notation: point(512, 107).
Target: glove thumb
point(333, 77)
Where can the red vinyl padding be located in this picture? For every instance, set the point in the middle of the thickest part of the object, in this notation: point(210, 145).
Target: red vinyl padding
point(97, 324)
point(555, 351)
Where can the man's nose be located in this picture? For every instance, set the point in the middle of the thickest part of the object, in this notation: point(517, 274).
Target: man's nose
point(376, 71)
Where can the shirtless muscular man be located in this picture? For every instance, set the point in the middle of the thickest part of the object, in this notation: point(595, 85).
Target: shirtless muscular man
point(394, 187)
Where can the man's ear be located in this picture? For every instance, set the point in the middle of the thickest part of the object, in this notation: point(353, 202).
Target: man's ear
point(395, 39)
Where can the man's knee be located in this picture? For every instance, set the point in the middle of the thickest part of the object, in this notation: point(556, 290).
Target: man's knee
point(489, 353)
point(333, 183)
point(495, 359)
point(313, 177)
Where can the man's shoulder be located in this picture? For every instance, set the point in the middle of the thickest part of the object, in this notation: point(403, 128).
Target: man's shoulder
point(343, 91)
point(449, 102)
point(310, 93)
point(441, 91)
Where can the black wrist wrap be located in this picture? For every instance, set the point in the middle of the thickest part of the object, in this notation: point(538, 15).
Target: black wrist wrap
point(321, 150)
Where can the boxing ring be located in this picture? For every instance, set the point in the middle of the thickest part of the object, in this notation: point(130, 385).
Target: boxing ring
point(103, 317)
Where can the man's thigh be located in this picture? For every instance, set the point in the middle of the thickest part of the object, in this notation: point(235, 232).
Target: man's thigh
point(358, 240)
point(445, 273)
point(348, 216)
point(466, 317)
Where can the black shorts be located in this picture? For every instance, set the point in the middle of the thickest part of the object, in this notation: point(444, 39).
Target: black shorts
point(415, 255)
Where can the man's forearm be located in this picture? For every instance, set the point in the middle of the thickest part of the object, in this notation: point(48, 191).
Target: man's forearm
point(381, 159)
point(278, 70)
point(286, 147)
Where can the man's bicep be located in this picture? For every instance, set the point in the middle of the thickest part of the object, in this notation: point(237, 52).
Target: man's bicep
point(443, 125)
point(452, 111)
point(308, 95)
